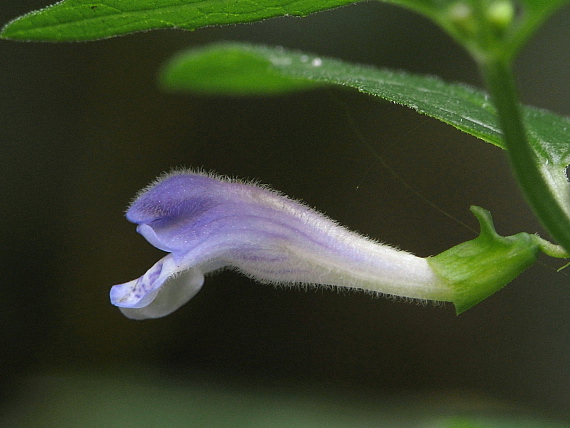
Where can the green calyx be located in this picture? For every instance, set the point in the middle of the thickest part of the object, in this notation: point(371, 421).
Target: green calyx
point(478, 268)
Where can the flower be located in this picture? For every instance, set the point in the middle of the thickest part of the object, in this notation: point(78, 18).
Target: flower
point(206, 223)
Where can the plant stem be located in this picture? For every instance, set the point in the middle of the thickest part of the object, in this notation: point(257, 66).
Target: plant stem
point(525, 163)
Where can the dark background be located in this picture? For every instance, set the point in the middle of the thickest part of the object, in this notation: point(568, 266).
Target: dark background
point(83, 127)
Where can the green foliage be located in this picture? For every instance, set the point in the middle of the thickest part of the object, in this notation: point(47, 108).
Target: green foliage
point(101, 398)
point(481, 25)
point(74, 20)
point(226, 69)
point(492, 28)
point(466, 108)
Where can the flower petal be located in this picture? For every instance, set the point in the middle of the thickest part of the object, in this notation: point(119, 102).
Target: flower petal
point(160, 291)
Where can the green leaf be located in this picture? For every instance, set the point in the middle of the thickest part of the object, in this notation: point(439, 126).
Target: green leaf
point(469, 21)
point(74, 20)
point(466, 108)
point(80, 20)
point(229, 72)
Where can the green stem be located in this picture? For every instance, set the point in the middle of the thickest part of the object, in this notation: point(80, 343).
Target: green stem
point(524, 162)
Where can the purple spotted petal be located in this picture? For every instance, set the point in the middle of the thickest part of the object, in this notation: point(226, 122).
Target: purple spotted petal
point(207, 223)
point(164, 288)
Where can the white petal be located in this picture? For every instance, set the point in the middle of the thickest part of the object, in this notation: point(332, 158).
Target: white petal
point(160, 291)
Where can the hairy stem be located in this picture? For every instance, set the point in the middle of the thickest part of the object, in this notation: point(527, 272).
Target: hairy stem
point(540, 194)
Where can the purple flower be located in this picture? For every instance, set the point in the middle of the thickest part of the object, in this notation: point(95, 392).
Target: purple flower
point(206, 223)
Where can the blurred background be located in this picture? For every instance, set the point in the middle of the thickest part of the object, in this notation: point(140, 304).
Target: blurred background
point(84, 127)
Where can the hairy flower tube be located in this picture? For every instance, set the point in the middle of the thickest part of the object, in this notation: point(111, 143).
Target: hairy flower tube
point(207, 223)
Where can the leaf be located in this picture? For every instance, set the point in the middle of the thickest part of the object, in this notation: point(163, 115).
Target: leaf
point(229, 72)
point(464, 107)
point(74, 20)
point(79, 20)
